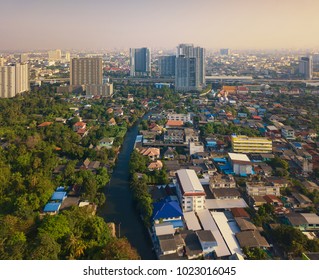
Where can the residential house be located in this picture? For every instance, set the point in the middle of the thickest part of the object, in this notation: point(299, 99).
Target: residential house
point(288, 132)
point(167, 211)
point(191, 135)
point(174, 136)
point(106, 142)
point(226, 193)
point(169, 153)
point(261, 189)
point(79, 126)
point(156, 165)
point(206, 240)
point(304, 221)
point(152, 153)
point(111, 122)
point(222, 181)
point(174, 124)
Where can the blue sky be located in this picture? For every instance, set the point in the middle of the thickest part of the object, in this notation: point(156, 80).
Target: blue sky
point(94, 24)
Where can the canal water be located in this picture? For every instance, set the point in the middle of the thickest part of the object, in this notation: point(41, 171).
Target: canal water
point(119, 206)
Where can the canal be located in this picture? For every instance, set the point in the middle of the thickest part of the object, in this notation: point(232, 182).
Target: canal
point(119, 206)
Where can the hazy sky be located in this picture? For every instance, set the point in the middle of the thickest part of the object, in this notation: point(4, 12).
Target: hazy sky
point(93, 24)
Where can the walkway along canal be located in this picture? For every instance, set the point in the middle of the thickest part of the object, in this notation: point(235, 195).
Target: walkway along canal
point(119, 206)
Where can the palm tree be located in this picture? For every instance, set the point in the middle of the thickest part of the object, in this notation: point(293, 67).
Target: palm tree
point(76, 247)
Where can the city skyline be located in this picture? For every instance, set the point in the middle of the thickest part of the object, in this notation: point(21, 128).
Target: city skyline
point(126, 24)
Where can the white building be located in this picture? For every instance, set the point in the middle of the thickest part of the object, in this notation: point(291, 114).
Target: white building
point(262, 189)
point(14, 80)
point(180, 117)
point(288, 132)
point(190, 191)
point(241, 164)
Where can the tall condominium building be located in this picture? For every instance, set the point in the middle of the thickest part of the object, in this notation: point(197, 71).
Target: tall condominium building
point(167, 65)
point(14, 80)
point(306, 67)
point(86, 71)
point(224, 51)
point(1, 61)
point(189, 68)
point(140, 62)
point(245, 144)
point(55, 55)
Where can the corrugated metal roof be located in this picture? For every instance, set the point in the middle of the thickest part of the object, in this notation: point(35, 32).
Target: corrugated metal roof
point(192, 221)
point(189, 181)
point(208, 223)
point(227, 233)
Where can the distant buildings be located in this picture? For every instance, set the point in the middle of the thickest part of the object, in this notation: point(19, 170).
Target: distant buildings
point(306, 67)
point(245, 144)
point(225, 52)
point(14, 80)
point(67, 56)
point(24, 57)
point(55, 55)
point(190, 68)
point(140, 62)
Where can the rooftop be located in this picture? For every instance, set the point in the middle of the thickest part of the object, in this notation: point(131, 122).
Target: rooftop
point(242, 158)
point(189, 181)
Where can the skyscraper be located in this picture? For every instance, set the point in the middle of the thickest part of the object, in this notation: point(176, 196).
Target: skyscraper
point(167, 65)
point(140, 62)
point(306, 67)
point(86, 71)
point(13, 80)
point(190, 68)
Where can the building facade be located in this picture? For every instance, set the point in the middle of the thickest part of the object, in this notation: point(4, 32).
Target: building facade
point(140, 62)
point(245, 144)
point(190, 68)
point(86, 71)
point(261, 189)
point(14, 80)
point(104, 90)
point(190, 192)
point(306, 67)
point(167, 65)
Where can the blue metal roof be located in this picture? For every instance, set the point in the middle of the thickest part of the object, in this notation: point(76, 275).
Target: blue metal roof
point(58, 196)
point(52, 207)
point(166, 210)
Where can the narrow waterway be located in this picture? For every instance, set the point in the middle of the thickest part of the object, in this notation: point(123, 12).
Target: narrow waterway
point(119, 207)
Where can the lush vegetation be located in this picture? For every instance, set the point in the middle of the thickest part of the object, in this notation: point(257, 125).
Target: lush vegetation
point(28, 156)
